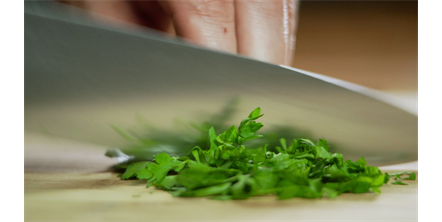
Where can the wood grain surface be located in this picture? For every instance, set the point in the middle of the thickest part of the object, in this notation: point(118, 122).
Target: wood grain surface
point(70, 181)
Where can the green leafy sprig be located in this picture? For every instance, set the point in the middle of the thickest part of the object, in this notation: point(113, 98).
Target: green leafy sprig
point(412, 176)
point(229, 170)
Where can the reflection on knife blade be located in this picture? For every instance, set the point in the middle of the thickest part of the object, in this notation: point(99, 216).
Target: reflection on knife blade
point(81, 76)
point(149, 141)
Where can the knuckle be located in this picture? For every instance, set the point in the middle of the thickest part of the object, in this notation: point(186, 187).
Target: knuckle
point(217, 10)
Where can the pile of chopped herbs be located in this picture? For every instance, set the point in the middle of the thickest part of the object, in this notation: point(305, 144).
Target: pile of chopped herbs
point(228, 169)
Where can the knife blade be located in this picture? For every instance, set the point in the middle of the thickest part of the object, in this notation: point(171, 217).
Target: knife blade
point(82, 75)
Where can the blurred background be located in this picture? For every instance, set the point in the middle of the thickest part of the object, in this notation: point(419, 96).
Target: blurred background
point(372, 43)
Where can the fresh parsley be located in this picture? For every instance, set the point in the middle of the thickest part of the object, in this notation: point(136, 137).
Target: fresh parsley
point(399, 183)
point(226, 168)
point(412, 176)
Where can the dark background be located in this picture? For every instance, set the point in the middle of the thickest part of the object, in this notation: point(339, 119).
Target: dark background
point(372, 43)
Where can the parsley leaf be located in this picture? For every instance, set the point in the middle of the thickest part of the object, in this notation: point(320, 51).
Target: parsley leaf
point(399, 183)
point(225, 168)
point(411, 177)
point(133, 169)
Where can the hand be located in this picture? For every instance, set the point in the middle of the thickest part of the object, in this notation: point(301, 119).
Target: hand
point(260, 29)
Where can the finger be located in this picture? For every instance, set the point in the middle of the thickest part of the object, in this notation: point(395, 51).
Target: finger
point(266, 29)
point(209, 23)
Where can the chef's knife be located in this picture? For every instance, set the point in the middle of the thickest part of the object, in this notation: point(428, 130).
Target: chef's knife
point(82, 75)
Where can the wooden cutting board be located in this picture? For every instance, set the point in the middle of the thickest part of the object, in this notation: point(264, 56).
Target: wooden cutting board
point(70, 181)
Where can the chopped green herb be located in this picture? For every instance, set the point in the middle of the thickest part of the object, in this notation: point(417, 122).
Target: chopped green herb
point(133, 169)
point(399, 183)
point(400, 173)
point(411, 177)
point(375, 190)
point(386, 177)
point(226, 167)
